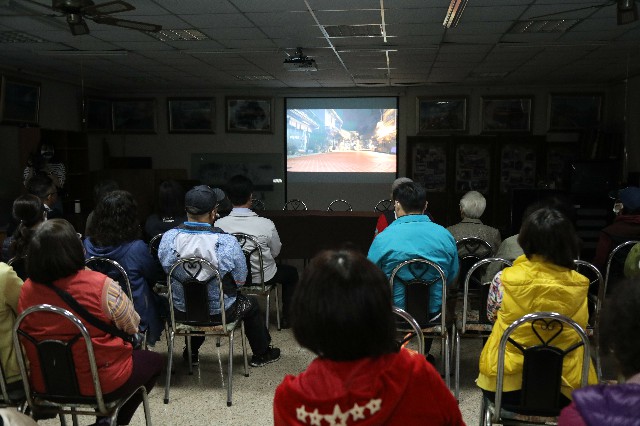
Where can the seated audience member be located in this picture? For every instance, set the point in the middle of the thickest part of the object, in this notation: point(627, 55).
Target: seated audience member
point(613, 404)
point(243, 219)
point(413, 235)
point(43, 187)
point(169, 209)
point(625, 227)
point(116, 236)
point(55, 258)
point(29, 212)
point(101, 189)
point(389, 216)
point(45, 164)
point(543, 279)
point(632, 262)
point(342, 312)
point(198, 238)
point(472, 205)
point(10, 286)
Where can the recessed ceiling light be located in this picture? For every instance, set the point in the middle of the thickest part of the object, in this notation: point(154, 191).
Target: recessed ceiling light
point(254, 77)
point(543, 26)
point(179, 35)
point(369, 30)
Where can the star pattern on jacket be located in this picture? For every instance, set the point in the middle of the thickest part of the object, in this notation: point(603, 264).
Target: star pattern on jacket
point(339, 417)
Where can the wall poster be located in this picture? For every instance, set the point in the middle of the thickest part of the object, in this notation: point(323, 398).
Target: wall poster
point(473, 168)
point(429, 165)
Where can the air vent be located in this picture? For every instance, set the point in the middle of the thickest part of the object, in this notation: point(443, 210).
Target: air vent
point(543, 26)
point(18, 37)
point(179, 35)
point(354, 30)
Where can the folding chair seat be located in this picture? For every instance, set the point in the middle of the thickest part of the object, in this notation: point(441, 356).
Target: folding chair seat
point(383, 206)
point(339, 206)
point(56, 360)
point(595, 300)
point(542, 371)
point(192, 277)
point(295, 204)
point(418, 276)
point(468, 325)
point(251, 249)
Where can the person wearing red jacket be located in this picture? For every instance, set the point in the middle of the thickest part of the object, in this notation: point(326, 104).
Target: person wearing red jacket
point(342, 311)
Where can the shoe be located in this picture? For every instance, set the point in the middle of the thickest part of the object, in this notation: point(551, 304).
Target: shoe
point(195, 360)
point(284, 324)
point(271, 355)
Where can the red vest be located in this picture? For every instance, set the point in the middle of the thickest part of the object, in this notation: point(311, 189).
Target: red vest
point(113, 355)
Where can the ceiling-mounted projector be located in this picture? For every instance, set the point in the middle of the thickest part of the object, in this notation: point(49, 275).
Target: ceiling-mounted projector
point(300, 62)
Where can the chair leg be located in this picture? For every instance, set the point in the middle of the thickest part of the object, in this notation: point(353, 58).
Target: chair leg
point(278, 307)
point(189, 354)
point(267, 309)
point(63, 421)
point(456, 343)
point(483, 409)
point(244, 350)
point(445, 357)
point(167, 386)
point(217, 341)
point(74, 418)
point(145, 405)
point(230, 373)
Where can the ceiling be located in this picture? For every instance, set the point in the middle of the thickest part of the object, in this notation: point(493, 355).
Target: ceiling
point(248, 40)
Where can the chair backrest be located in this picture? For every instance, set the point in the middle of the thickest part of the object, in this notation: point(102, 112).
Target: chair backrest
point(484, 290)
point(251, 249)
point(615, 263)
point(19, 264)
point(113, 270)
point(383, 206)
point(542, 366)
point(257, 205)
point(596, 281)
point(339, 206)
point(194, 275)
point(294, 204)
point(418, 275)
point(470, 251)
point(56, 359)
point(154, 244)
point(404, 317)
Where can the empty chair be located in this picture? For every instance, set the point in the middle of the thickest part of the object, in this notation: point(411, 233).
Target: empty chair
point(339, 206)
point(383, 206)
point(294, 204)
point(257, 205)
point(542, 371)
point(59, 363)
point(192, 276)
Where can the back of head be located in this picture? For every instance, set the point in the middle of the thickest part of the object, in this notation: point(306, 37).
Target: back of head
point(170, 199)
point(199, 202)
point(40, 185)
point(115, 219)
point(620, 326)
point(396, 183)
point(104, 187)
point(412, 197)
point(341, 309)
point(472, 204)
point(548, 233)
point(55, 252)
point(239, 189)
point(29, 211)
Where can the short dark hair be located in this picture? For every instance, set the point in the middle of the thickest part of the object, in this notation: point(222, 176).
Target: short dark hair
point(170, 199)
point(620, 326)
point(411, 195)
point(40, 185)
point(55, 252)
point(342, 309)
point(29, 211)
point(239, 189)
point(548, 233)
point(115, 220)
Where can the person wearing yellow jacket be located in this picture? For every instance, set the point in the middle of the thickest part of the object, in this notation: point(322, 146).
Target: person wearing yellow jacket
point(543, 279)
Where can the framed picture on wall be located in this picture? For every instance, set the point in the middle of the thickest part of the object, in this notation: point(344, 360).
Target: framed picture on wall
point(444, 115)
point(134, 115)
point(97, 115)
point(428, 165)
point(249, 115)
point(19, 101)
point(511, 114)
point(574, 111)
point(191, 115)
point(473, 167)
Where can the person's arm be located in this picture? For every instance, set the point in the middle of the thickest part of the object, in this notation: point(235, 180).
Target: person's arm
point(494, 300)
point(12, 287)
point(231, 259)
point(274, 243)
point(380, 225)
point(119, 308)
point(166, 254)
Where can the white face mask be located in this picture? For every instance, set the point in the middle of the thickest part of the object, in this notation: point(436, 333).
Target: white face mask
point(617, 208)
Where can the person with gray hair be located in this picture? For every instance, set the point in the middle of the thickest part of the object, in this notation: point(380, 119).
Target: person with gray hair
point(389, 216)
point(472, 205)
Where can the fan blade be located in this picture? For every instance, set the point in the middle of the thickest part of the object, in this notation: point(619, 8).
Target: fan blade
point(125, 23)
point(597, 6)
point(107, 8)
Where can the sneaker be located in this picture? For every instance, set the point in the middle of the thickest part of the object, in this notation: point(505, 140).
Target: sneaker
point(195, 360)
point(271, 355)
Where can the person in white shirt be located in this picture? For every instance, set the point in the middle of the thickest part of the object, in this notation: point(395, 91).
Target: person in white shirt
point(243, 219)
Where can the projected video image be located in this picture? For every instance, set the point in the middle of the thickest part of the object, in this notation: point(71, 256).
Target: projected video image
point(341, 140)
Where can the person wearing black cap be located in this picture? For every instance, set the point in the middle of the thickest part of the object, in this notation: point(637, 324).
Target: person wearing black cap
point(198, 238)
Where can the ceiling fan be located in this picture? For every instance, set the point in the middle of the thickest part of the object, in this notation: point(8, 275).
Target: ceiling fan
point(627, 10)
point(77, 11)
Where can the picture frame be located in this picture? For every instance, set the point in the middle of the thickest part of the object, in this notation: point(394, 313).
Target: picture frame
point(97, 114)
point(19, 101)
point(506, 114)
point(429, 165)
point(441, 115)
point(473, 167)
point(134, 115)
point(249, 114)
point(191, 115)
point(574, 111)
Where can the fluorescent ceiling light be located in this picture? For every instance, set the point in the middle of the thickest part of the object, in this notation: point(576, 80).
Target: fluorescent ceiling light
point(83, 52)
point(454, 13)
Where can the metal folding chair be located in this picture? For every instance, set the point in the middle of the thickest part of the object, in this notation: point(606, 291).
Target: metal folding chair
point(383, 206)
point(294, 204)
point(615, 263)
point(257, 205)
point(339, 206)
point(405, 318)
point(595, 300)
point(113, 270)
